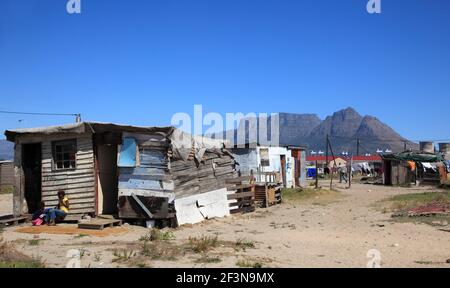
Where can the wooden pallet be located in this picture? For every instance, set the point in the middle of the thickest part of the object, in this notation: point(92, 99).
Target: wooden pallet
point(12, 221)
point(99, 224)
point(267, 194)
point(244, 195)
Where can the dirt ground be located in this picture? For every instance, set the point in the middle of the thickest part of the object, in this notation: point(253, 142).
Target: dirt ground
point(312, 233)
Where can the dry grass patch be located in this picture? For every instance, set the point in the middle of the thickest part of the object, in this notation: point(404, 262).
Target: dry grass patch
point(243, 263)
point(156, 235)
point(203, 243)
point(310, 196)
point(11, 258)
point(405, 202)
point(400, 205)
point(208, 259)
point(243, 244)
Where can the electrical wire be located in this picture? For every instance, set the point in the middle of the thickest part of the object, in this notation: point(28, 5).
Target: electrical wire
point(37, 113)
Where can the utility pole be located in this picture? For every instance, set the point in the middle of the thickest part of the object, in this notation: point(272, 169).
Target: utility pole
point(404, 145)
point(357, 146)
point(317, 175)
point(78, 118)
point(334, 160)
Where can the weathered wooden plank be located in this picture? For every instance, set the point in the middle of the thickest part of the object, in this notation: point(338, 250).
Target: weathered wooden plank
point(75, 177)
point(81, 210)
point(147, 193)
point(73, 206)
point(72, 171)
point(68, 185)
point(75, 195)
point(99, 224)
point(146, 184)
point(239, 180)
point(71, 190)
point(240, 195)
point(68, 173)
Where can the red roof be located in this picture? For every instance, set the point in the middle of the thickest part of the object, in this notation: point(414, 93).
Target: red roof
point(372, 158)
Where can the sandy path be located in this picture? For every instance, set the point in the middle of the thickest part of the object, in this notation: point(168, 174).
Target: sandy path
point(288, 235)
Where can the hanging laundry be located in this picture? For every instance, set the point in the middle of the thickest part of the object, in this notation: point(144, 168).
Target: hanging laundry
point(412, 165)
point(427, 165)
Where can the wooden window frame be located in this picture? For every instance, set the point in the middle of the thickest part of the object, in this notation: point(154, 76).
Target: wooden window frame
point(54, 154)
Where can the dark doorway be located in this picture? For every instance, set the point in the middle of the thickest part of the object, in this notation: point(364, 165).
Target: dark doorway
point(387, 167)
point(283, 169)
point(32, 163)
point(107, 178)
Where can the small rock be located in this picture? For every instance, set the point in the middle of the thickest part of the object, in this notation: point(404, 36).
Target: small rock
point(448, 261)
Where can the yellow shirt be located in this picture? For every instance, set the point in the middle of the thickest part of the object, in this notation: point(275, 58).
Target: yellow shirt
point(63, 205)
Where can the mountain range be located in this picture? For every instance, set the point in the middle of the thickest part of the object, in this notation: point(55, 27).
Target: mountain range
point(344, 128)
point(6, 150)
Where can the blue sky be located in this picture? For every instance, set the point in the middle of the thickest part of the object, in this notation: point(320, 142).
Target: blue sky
point(141, 61)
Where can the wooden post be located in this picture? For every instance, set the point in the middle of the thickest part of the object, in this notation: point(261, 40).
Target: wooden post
point(334, 160)
point(317, 175)
point(350, 173)
point(331, 177)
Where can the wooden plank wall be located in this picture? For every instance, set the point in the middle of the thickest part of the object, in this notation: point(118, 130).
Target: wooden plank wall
point(78, 183)
point(6, 174)
point(209, 175)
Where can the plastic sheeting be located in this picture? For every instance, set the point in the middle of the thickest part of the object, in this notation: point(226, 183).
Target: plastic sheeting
point(127, 157)
point(311, 173)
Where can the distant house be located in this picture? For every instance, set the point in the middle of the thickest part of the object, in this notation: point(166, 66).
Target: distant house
point(136, 172)
point(288, 162)
point(322, 160)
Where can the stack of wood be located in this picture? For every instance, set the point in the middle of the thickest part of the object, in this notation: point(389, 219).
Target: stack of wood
point(243, 200)
point(268, 193)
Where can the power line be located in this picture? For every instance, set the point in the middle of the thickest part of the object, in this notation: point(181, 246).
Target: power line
point(77, 115)
point(390, 140)
point(37, 113)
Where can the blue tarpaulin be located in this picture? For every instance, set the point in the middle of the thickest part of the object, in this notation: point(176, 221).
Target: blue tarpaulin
point(127, 157)
point(311, 173)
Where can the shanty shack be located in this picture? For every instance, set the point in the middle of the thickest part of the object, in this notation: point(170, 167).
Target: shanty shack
point(409, 167)
point(147, 173)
